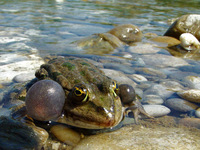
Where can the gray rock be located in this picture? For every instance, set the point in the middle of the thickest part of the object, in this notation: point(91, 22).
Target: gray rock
point(156, 110)
point(193, 82)
point(23, 77)
point(197, 112)
point(152, 100)
point(120, 67)
point(185, 24)
point(159, 60)
point(144, 48)
point(180, 105)
point(138, 78)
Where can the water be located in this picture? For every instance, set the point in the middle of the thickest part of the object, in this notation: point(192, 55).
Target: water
point(33, 28)
point(50, 25)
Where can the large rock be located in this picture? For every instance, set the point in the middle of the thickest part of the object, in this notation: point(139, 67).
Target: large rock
point(185, 24)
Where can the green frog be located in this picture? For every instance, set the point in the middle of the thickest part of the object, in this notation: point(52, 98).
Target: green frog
point(92, 99)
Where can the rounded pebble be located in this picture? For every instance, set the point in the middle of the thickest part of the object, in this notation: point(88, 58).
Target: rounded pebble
point(156, 110)
point(193, 82)
point(192, 95)
point(152, 100)
point(180, 105)
point(23, 77)
point(197, 112)
point(190, 122)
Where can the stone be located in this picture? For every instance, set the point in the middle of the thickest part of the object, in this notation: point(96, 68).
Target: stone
point(192, 95)
point(190, 122)
point(162, 61)
point(156, 110)
point(165, 41)
point(189, 42)
point(192, 82)
point(185, 24)
point(127, 33)
point(120, 67)
point(138, 78)
point(23, 77)
point(180, 105)
point(152, 100)
point(119, 77)
point(197, 112)
point(144, 48)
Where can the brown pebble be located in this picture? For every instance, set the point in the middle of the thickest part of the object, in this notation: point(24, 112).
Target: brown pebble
point(190, 122)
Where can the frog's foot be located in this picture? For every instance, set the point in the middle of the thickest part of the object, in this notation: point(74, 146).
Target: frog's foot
point(136, 108)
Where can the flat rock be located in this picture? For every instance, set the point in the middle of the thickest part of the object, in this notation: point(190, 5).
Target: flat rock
point(23, 77)
point(160, 60)
point(180, 105)
point(152, 100)
point(192, 95)
point(138, 78)
point(144, 48)
point(156, 110)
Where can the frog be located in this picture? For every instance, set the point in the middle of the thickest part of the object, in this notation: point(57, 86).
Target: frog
point(92, 100)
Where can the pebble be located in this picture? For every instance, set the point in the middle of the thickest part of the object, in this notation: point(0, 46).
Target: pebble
point(180, 105)
point(192, 95)
point(168, 41)
point(193, 82)
point(190, 122)
point(189, 41)
point(163, 60)
point(152, 100)
point(197, 112)
point(144, 48)
point(23, 77)
point(119, 77)
point(137, 78)
point(156, 110)
point(120, 67)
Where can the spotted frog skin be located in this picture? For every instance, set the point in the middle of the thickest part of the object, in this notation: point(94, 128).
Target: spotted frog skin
point(91, 97)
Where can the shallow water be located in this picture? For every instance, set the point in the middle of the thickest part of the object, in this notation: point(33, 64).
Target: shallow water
point(29, 28)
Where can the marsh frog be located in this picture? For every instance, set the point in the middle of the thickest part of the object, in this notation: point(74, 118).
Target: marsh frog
point(92, 100)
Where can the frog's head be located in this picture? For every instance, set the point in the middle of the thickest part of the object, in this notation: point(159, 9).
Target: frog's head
point(93, 106)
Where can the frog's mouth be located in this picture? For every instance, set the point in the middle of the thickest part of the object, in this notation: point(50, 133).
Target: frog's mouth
point(93, 117)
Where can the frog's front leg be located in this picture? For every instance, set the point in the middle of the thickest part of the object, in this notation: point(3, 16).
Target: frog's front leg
point(130, 101)
point(136, 108)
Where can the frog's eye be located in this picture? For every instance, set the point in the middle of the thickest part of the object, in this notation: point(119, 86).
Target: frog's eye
point(79, 94)
point(115, 88)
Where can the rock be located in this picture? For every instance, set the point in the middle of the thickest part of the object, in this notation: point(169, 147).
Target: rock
point(165, 41)
point(127, 33)
point(143, 48)
point(193, 82)
point(156, 110)
point(190, 122)
point(118, 76)
point(189, 41)
point(138, 78)
point(180, 105)
point(23, 77)
point(185, 24)
point(120, 67)
point(190, 68)
point(192, 95)
point(152, 100)
point(160, 60)
point(143, 138)
point(197, 112)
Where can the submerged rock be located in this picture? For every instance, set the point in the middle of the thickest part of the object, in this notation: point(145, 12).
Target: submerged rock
point(192, 95)
point(185, 24)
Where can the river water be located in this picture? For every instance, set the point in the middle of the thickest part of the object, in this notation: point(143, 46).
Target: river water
point(36, 28)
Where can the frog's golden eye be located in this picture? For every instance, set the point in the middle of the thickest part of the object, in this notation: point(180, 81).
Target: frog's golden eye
point(115, 88)
point(79, 94)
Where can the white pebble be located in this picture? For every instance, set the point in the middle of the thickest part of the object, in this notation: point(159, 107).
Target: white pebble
point(197, 112)
point(189, 41)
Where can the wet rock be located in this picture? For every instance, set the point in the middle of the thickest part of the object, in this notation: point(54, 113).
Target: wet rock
point(150, 72)
point(144, 48)
point(152, 100)
point(192, 95)
point(180, 105)
point(159, 60)
point(197, 112)
point(190, 122)
point(156, 110)
point(193, 82)
point(119, 67)
point(189, 41)
point(23, 77)
point(127, 33)
point(190, 68)
point(185, 24)
point(118, 76)
point(165, 41)
point(138, 78)
point(142, 138)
